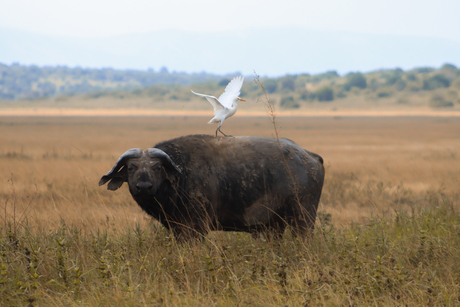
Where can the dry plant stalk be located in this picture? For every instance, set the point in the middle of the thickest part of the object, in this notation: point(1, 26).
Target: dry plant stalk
point(11, 220)
point(271, 112)
point(269, 107)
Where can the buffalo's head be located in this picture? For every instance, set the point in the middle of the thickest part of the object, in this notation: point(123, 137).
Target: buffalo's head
point(144, 170)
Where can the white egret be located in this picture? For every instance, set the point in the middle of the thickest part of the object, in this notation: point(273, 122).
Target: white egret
point(225, 106)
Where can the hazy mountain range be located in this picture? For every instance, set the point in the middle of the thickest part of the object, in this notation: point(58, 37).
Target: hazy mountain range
point(270, 52)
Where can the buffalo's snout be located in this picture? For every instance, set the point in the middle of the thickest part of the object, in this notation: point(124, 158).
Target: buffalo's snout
point(144, 186)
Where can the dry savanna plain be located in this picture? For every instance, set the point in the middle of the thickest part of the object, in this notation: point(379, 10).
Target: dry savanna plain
point(387, 233)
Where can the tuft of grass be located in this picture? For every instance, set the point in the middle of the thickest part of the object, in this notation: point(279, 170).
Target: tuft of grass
point(411, 258)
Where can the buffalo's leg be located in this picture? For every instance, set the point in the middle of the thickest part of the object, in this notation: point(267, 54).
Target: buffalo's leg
point(271, 232)
point(301, 218)
point(183, 232)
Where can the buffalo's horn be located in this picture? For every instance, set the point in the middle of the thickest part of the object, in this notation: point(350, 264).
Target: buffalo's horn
point(132, 153)
point(158, 153)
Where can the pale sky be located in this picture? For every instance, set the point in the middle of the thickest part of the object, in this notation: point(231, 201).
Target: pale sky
point(96, 18)
point(234, 35)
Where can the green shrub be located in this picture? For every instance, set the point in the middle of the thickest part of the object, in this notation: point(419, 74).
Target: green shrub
point(424, 70)
point(411, 77)
point(438, 101)
point(355, 80)
point(325, 94)
point(270, 85)
point(383, 94)
point(331, 74)
point(304, 95)
point(398, 71)
point(289, 103)
point(436, 81)
point(311, 95)
point(448, 66)
point(392, 79)
point(288, 83)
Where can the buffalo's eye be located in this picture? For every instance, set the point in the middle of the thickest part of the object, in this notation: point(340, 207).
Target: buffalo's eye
point(156, 167)
point(132, 168)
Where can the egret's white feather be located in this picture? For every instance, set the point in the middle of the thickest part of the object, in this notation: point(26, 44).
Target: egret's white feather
point(213, 100)
point(231, 91)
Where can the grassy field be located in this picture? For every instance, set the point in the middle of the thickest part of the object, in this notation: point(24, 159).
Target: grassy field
point(387, 232)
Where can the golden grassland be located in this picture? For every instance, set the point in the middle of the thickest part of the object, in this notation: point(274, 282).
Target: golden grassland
point(62, 158)
point(387, 230)
point(331, 112)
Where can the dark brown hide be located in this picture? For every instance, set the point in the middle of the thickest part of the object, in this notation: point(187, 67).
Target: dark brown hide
point(243, 183)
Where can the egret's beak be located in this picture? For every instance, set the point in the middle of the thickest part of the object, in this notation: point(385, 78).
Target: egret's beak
point(241, 99)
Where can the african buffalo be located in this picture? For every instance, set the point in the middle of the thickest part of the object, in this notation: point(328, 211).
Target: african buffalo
point(197, 183)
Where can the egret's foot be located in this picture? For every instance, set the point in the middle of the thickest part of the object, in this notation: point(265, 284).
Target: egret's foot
point(226, 135)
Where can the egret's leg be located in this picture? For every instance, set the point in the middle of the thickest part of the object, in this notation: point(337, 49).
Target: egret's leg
point(227, 135)
point(218, 129)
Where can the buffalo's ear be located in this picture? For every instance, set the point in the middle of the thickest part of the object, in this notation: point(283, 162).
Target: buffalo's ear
point(118, 174)
point(115, 183)
point(104, 179)
point(115, 180)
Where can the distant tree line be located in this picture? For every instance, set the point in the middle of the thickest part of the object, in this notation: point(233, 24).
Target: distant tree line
point(383, 83)
point(31, 82)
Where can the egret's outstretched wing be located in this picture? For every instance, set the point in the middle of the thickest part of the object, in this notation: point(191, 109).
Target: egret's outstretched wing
point(231, 92)
point(213, 100)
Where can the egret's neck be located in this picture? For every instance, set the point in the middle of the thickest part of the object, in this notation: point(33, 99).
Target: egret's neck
point(233, 109)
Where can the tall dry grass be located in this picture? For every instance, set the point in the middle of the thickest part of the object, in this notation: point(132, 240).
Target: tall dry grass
point(57, 162)
point(387, 230)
